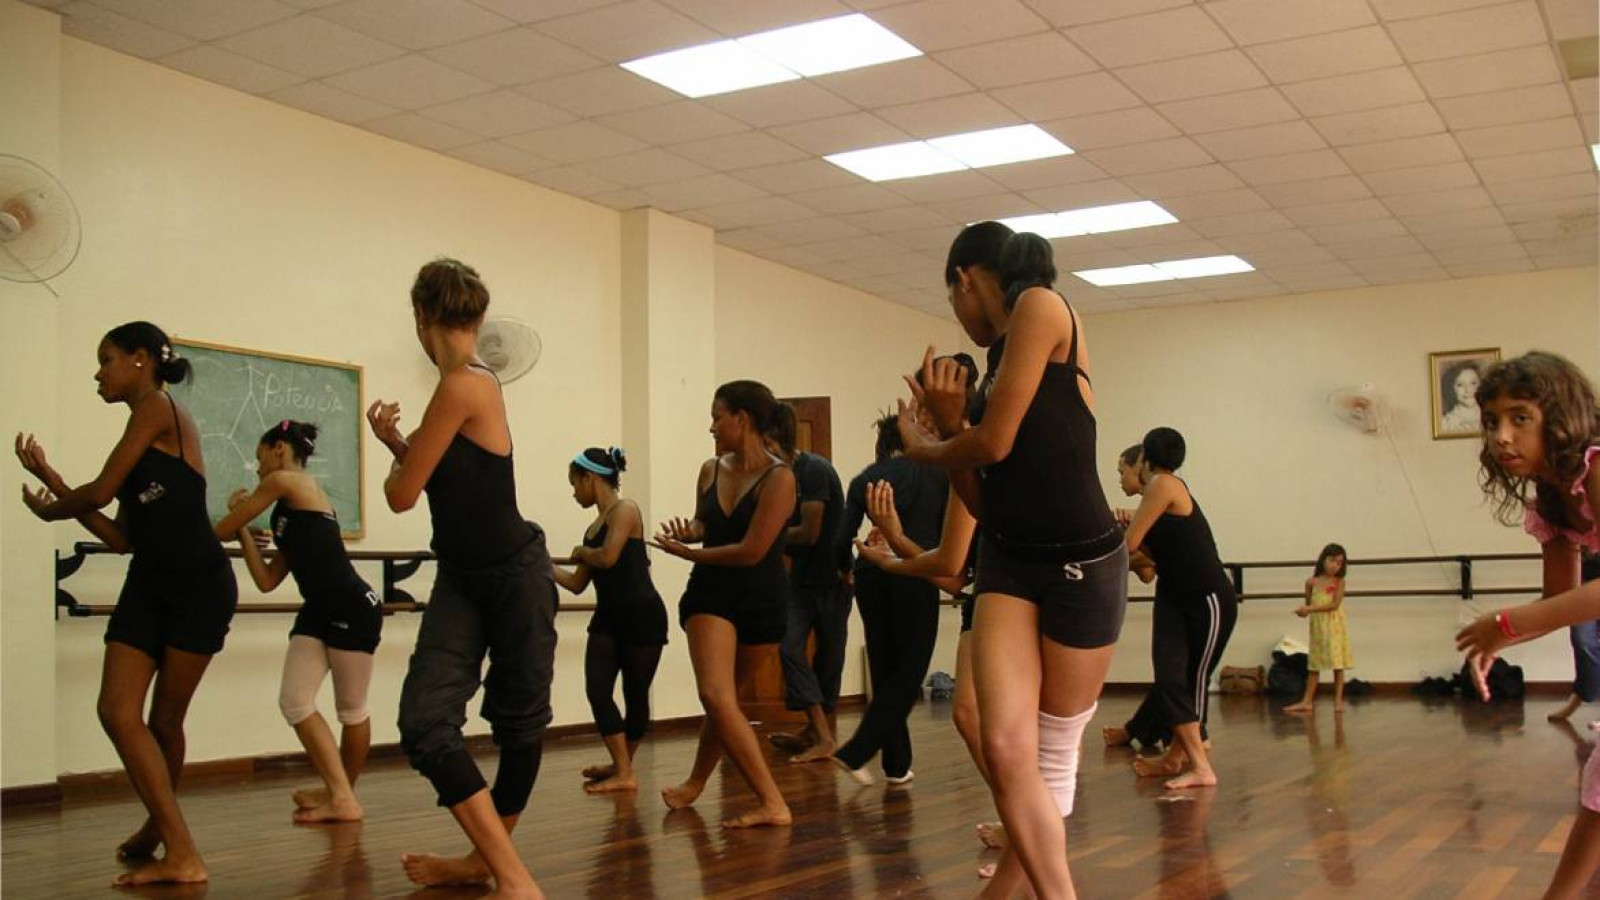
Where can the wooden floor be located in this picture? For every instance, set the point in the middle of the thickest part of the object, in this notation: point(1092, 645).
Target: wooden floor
point(1404, 798)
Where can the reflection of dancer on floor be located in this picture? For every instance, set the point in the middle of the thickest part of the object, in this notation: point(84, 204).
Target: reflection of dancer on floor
point(1329, 802)
point(179, 594)
point(1330, 639)
point(1585, 654)
point(629, 625)
point(1541, 432)
point(737, 595)
point(337, 628)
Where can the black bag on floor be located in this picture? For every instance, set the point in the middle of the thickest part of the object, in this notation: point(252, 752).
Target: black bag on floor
point(1355, 687)
point(1287, 677)
point(1504, 681)
point(1436, 687)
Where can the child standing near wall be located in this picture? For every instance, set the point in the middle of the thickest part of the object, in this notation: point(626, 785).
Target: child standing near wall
point(1330, 640)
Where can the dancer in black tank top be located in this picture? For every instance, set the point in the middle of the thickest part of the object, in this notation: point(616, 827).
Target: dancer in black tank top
point(737, 591)
point(629, 626)
point(1195, 608)
point(494, 595)
point(1052, 571)
point(179, 596)
point(337, 627)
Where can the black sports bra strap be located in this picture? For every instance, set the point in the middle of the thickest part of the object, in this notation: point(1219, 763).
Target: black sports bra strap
point(473, 365)
point(177, 425)
point(1072, 347)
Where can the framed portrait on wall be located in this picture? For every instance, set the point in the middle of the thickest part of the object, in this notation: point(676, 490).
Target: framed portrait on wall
point(1453, 379)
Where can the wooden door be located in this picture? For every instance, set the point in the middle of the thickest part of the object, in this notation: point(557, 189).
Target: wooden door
point(762, 695)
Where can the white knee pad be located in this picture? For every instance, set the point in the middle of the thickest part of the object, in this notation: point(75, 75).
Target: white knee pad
point(1059, 740)
point(353, 716)
point(296, 709)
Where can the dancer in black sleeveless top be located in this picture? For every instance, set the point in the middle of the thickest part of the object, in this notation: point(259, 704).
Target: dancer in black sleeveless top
point(1195, 607)
point(629, 626)
point(179, 595)
point(494, 594)
point(337, 628)
point(1052, 570)
point(737, 592)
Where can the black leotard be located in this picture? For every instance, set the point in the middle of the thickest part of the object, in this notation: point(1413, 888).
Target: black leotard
point(627, 604)
point(472, 500)
point(1185, 554)
point(163, 503)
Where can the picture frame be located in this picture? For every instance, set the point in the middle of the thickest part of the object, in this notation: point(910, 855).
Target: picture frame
point(1453, 378)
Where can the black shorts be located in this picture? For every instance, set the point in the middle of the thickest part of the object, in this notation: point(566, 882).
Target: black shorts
point(969, 605)
point(351, 620)
point(756, 621)
point(186, 611)
point(637, 623)
point(1081, 604)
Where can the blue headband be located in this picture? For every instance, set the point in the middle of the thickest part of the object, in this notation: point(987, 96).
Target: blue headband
point(585, 462)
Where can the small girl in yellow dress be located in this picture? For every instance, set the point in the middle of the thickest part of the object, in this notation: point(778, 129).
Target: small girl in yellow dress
point(1330, 641)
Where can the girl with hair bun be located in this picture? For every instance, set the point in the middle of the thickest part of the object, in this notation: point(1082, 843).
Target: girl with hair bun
point(629, 626)
point(337, 629)
point(179, 596)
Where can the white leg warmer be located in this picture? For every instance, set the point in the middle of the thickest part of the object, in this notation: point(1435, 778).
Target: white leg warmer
point(1059, 742)
point(304, 667)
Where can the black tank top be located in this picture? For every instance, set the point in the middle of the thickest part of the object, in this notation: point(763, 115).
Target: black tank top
point(625, 585)
point(472, 500)
point(163, 503)
point(766, 577)
point(1185, 554)
point(1044, 499)
point(311, 542)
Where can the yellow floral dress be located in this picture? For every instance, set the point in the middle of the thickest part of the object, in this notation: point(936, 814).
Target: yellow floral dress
point(1330, 641)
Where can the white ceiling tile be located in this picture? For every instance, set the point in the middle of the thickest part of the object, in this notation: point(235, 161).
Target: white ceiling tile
point(1271, 242)
point(501, 157)
point(899, 218)
point(1156, 236)
point(1482, 217)
point(572, 180)
point(795, 257)
point(1325, 55)
point(1591, 127)
point(203, 20)
point(853, 248)
point(539, 10)
point(1388, 124)
point(1345, 232)
point(1575, 208)
point(1019, 60)
point(746, 239)
point(1472, 259)
point(673, 123)
point(1527, 137)
point(1185, 31)
point(1356, 92)
point(1561, 187)
point(599, 92)
point(949, 115)
point(739, 151)
point(645, 167)
point(1154, 156)
point(1175, 250)
point(1260, 21)
point(576, 142)
point(1470, 32)
point(515, 56)
point(1422, 179)
point(332, 103)
point(1262, 140)
point(1226, 111)
point(1541, 164)
point(1182, 182)
point(215, 64)
point(1077, 196)
point(628, 30)
point(1043, 173)
point(946, 186)
point(1290, 167)
point(1265, 257)
point(1216, 203)
point(1241, 223)
point(1474, 237)
point(1572, 18)
point(1416, 9)
point(1407, 276)
point(800, 175)
point(497, 114)
point(1194, 76)
point(309, 46)
point(410, 82)
point(422, 132)
point(706, 190)
point(838, 133)
point(780, 104)
point(1242, 293)
point(741, 17)
point(763, 211)
point(1111, 129)
point(981, 207)
point(850, 198)
point(1585, 94)
point(1059, 98)
point(310, 4)
point(1546, 101)
point(809, 231)
point(891, 84)
point(931, 25)
point(1318, 285)
point(1320, 190)
point(1415, 257)
point(91, 23)
point(1065, 13)
point(1477, 266)
point(416, 24)
point(1481, 74)
point(1381, 249)
point(1402, 154)
point(1337, 213)
point(1438, 201)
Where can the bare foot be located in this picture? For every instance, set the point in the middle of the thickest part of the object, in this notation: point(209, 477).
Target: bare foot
point(517, 893)
point(332, 811)
point(142, 844)
point(1298, 708)
point(599, 771)
point(1339, 707)
point(992, 835)
point(861, 776)
point(817, 753)
point(614, 784)
point(792, 743)
point(1116, 736)
point(305, 798)
point(764, 816)
point(987, 870)
point(682, 795)
point(1160, 767)
point(1566, 710)
point(432, 870)
point(1192, 779)
point(164, 872)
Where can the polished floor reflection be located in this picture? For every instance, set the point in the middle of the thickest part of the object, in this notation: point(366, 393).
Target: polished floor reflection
point(1397, 798)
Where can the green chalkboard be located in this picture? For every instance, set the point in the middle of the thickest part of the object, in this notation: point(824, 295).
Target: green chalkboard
point(237, 394)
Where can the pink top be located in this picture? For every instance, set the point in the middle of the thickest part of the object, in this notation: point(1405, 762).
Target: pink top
point(1589, 538)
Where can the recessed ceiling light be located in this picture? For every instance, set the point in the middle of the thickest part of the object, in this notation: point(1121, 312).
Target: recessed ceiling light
point(1198, 267)
point(999, 146)
point(1093, 219)
point(887, 163)
point(1595, 149)
point(710, 69)
point(1112, 277)
point(830, 45)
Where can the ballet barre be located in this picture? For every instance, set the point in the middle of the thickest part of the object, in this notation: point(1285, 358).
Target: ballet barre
point(1464, 562)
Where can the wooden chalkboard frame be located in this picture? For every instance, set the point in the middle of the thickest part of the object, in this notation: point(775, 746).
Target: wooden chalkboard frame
point(348, 534)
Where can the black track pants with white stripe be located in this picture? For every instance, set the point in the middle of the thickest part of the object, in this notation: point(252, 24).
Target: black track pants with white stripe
point(1190, 633)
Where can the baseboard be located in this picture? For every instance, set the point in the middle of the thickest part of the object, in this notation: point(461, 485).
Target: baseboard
point(29, 795)
point(1539, 689)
